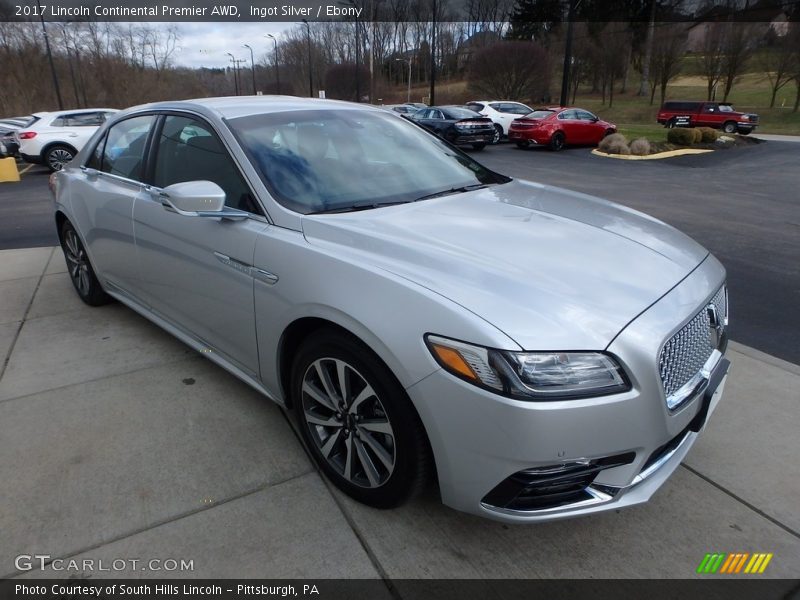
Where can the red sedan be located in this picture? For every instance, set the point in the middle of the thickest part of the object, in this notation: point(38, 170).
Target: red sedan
point(555, 127)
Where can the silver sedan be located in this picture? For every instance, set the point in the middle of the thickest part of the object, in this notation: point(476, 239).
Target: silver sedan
point(539, 353)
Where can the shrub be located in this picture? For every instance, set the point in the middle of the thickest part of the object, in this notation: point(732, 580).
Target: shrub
point(614, 144)
point(698, 135)
point(640, 147)
point(681, 136)
point(709, 135)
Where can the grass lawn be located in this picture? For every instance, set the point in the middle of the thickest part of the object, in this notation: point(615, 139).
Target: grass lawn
point(636, 117)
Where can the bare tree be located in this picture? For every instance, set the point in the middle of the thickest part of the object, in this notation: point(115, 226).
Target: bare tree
point(777, 62)
point(513, 70)
point(669, 47)
point(713, 50)
point(738, 46)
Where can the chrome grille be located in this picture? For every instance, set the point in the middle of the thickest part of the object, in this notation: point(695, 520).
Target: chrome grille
point(687, 351)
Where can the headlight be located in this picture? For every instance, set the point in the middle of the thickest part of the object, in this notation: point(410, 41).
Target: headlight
point(531, 375)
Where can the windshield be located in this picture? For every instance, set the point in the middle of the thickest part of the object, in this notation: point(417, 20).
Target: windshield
point(330, 160)
point(725, 108)
point(540, 114)
point(452, 112)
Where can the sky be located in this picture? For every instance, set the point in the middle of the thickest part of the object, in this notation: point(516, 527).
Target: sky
point(205, 44)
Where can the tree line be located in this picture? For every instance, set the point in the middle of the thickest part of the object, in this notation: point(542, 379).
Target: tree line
point(512, 49)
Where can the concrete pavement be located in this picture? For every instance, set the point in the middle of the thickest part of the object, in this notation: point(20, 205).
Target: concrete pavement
point(118, 442)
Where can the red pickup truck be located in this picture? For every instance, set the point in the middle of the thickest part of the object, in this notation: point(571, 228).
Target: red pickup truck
point(719, 115)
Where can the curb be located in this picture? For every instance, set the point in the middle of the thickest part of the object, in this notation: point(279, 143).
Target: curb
point(656, 156)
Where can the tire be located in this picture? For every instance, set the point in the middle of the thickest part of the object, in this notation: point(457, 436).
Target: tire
point(523, 144)
point(371, 444)
point(478, 147)
point(670, 124)
point(79, 268)
point(498, 134)
point(729, 127)
point(557, 141)
point(57, 156)
point(609, 132)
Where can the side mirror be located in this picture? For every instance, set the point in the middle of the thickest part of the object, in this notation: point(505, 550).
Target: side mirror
point(198, 199)
point(595, 119)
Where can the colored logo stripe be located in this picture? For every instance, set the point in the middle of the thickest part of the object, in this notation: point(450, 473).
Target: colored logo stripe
point(734, 562)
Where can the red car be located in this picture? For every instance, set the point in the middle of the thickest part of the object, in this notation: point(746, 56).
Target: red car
point(719, 115)
point(557, 126)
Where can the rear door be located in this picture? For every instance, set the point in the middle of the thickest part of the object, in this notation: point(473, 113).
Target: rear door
point(197, 271)
point(103, 193)
point(571, 126)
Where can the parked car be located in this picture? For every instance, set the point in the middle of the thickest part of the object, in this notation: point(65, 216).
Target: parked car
point(417, 104)
point(558, 126)
point(544, 353)
point(719, 115)
point(8, 142)
point(501, 112)
point(55, 138)
point(457, 125)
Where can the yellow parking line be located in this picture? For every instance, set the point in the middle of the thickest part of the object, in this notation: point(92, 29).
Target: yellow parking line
point(26, 169)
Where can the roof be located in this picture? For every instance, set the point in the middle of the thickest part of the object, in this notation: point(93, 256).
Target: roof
point(231, 107)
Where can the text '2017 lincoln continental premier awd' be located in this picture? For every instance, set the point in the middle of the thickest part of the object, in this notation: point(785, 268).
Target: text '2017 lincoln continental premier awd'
point(538, 352)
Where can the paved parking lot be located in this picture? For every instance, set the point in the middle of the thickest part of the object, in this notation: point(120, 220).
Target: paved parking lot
point(116, 441)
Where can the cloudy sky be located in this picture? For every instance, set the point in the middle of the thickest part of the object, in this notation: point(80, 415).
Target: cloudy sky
point(205, 44)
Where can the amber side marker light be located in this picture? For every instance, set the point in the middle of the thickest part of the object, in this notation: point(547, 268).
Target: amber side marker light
point(454, 361)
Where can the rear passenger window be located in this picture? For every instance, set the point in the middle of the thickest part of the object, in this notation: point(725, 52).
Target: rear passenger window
point(188, 150)
point(123, 150)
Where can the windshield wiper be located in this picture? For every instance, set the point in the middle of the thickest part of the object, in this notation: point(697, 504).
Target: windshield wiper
point(453, 190)
point(356, 207)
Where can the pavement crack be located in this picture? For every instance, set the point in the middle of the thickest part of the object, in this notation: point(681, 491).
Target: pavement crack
point(741, 500)
point(25, 316)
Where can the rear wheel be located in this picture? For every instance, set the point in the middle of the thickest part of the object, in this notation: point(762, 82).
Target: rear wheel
point(80, 269)
point(729, 127)
point(557, 141)
point(498, 134)
point(58, 156)
point(670, 124)
point(478, 147)
point(357, 421)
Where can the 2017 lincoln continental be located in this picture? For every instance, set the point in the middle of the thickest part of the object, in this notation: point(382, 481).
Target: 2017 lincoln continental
point(538, 352)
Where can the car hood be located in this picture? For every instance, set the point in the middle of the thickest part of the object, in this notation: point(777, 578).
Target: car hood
point(552, 269)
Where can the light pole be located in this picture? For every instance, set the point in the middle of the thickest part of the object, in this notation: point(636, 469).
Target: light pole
point(235, 72)
point(252, 66)
point(310, 77)
point(407, 60)
point(432, 96)
point(277, 69)
point(50, 58)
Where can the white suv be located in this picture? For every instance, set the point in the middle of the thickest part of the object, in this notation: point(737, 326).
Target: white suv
point(501, 112)
point(54, 138)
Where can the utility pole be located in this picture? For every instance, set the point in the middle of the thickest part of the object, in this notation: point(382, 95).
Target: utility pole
point(252, 67)
point(50, 58)
point(235, 61)
point(310, 75)
point(567, 53)
point(277, 69)
point(432, 98)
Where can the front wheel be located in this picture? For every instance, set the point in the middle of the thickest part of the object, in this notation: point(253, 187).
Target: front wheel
point(80, 269)
point(57, 157)
point(557, 141)
point(729, 127)
point(357, 421)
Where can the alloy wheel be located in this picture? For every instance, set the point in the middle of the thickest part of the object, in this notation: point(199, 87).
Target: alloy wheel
point(77, 262)
point(58, 158)
point(348, 423)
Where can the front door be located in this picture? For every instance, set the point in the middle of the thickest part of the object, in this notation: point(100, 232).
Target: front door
point(196, 269)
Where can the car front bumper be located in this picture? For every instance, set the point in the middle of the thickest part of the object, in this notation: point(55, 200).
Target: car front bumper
point(482, 441)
